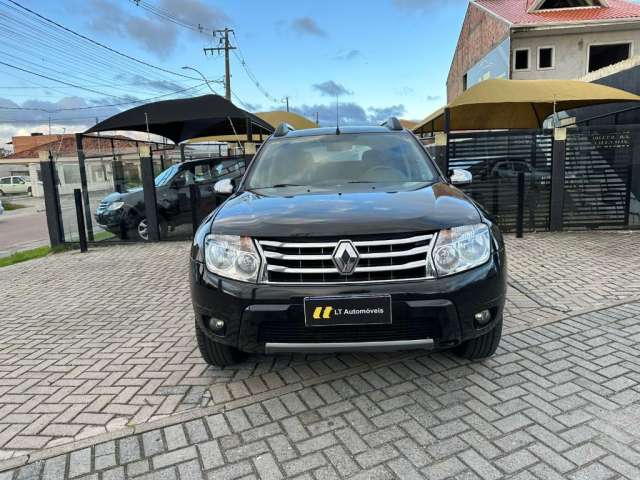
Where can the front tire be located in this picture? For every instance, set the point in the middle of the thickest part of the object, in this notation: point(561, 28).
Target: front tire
point(481, 347)
point(141, 232)
point(214, 353)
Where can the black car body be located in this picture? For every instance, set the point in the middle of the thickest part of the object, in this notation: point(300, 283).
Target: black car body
point(123, 213)
point(311, 294)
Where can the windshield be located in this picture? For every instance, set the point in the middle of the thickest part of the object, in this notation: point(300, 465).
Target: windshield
point(334, 160)
point(165, 177)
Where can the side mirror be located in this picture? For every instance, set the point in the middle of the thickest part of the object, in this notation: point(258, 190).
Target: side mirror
point(224, 187)
point(460, 177)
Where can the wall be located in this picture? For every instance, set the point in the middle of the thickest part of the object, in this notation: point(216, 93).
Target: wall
point(571, 51)
point(480, 33)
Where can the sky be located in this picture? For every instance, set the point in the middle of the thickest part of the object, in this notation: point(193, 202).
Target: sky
point(379, 58)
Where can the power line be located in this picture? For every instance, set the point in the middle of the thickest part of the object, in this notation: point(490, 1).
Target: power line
point(143, 100)
point(171, 17)
point(84, 37)
point(241, 58)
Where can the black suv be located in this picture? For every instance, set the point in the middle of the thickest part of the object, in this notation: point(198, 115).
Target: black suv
point(124, 213)
point(346, 239)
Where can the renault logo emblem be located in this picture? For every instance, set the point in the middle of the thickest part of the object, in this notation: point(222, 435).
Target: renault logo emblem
point(346, 257)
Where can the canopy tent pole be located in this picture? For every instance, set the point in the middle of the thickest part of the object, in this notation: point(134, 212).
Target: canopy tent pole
point(447, 130)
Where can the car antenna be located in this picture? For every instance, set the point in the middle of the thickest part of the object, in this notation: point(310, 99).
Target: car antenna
point(337, 115)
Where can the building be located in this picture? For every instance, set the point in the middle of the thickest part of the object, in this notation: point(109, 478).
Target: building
point(542, 39)
point(100, 152)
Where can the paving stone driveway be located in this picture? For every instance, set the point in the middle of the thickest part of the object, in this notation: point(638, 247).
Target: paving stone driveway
point(104, 343)
point(557, 401)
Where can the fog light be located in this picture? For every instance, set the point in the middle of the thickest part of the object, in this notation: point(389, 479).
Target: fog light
point(482, 318)
point(216, 325)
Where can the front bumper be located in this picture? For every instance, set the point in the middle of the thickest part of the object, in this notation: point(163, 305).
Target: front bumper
point(426, 313)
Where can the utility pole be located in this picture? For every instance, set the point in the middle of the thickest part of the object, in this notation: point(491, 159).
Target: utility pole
point(287, 101)
point(224, 46)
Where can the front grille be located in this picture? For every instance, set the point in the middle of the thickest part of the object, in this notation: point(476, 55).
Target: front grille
point(403, 328)
point(382, 258)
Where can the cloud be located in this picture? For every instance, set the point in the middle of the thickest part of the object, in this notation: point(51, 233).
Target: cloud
point(350, 113)
point(140, 81)
point(379, 115)
point(433, 98)
point(331, 89)
point(348, 55)
point(307, 26)
point(149, 30)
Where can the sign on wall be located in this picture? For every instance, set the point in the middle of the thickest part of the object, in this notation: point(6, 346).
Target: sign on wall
point(493, 65)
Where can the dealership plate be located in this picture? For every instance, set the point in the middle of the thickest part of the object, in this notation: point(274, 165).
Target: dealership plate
point(352, 310)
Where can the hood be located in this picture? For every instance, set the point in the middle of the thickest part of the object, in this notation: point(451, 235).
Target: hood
point(124, 196)
point(358, 210)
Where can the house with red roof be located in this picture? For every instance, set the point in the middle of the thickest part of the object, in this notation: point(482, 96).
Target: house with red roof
point(542, 39)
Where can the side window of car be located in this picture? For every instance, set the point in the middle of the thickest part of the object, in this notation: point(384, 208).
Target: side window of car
point(203, 173)
point(18, 180)
point(5, 181)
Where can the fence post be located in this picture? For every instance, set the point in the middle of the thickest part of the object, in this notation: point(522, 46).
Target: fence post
point(557, 179)
point(520, 214)
point(51, 200)
point(194, 197)
point(82, 235)
point(83, 183)
point(447, 132)
point(149, 188)
point(441, 148)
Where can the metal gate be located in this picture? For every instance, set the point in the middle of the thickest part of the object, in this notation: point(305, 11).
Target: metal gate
point(598, 172)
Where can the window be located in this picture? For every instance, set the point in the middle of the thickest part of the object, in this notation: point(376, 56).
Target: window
point(546, 58)
point(5, 181)
point(18, 181)
point(521, 59)
point(601, 56)
point(464, 82)
point(328, 161)
point(551, 4)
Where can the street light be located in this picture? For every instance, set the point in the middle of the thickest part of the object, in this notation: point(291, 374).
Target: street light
point(203, 77)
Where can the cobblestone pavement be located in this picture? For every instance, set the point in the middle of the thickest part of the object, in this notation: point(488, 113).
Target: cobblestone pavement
point(558, 401)
point(103, 342)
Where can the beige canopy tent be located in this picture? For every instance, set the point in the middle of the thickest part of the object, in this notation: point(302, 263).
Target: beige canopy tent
point(274, 119)
point(514, 104)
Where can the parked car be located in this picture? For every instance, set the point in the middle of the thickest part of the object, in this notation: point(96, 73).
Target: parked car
point(124, 213)
point(347, 239)
point(511, 169)
point(15, 185)
point(1, 208)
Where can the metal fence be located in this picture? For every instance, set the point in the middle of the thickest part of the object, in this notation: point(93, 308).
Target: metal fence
point(578, 178)
point(495, 159)
point(132, 190)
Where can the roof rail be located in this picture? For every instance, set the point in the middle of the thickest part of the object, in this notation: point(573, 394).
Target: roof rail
point(392, 123)
point(283, 129)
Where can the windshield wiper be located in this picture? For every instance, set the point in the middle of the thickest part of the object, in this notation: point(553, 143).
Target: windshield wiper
point(283, 185)
point(362, 181)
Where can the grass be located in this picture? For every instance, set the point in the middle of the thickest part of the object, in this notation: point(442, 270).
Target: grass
point(28, 255)
point(8, 206)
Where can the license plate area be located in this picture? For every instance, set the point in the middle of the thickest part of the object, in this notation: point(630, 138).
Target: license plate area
point(347, 310)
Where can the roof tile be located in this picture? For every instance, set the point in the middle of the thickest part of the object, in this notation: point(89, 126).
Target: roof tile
point(516, 12)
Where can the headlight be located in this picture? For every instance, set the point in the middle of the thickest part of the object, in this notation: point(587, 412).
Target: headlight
point(461, 248)
point(115, 206)
point(232, 257)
